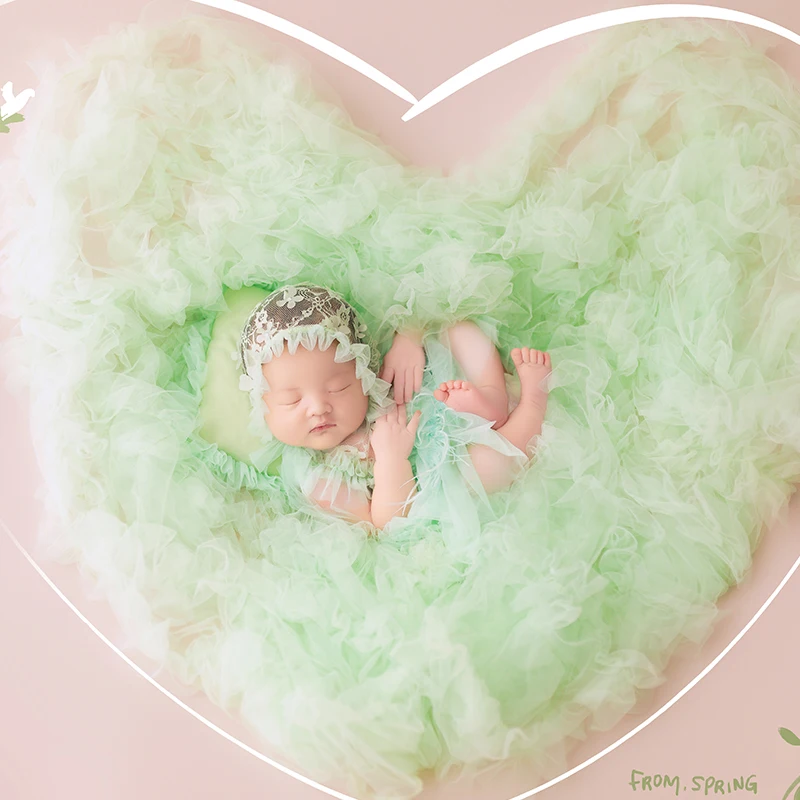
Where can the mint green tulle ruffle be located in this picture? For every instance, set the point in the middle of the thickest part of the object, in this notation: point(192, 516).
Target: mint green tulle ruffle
point(642, 227)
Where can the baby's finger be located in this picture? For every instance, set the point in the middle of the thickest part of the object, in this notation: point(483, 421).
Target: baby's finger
point(387, 374)
point(399, 386)
point(414, 424)
point(417, 378)
point(409, 385)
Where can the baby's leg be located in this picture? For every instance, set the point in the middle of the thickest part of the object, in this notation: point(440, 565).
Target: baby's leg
point(484, 390)
point(495, 470)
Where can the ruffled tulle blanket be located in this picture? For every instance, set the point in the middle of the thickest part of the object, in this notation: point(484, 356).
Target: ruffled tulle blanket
point(643, 228)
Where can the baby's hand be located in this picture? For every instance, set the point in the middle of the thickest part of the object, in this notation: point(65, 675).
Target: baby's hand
point(392, 437)
point(403, 367)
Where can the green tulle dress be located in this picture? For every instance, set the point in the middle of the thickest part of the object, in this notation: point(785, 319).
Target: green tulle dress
point(348, 465)
point(643, 228)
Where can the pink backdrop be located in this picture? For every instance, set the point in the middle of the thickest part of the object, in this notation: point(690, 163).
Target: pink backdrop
point(78, 722)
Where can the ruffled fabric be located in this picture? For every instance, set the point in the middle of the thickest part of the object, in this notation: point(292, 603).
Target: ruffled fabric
point(350, 464)
point(642, 228)
point(307, 473)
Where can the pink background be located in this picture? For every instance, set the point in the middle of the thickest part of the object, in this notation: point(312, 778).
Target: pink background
point(78, 722)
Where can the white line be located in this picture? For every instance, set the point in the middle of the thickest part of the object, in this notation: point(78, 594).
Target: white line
point(160, 688)
point(500, 58)
point(578, 27)
point(312, 39)
point(341, 796)
point(674, 700)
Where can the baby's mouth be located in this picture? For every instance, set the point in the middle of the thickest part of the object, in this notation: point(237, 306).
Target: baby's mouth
point(321, 428)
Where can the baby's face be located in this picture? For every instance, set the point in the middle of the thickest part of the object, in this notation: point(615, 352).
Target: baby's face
point(309, 389)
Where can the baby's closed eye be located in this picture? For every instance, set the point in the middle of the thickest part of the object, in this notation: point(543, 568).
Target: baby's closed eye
point(288, 402)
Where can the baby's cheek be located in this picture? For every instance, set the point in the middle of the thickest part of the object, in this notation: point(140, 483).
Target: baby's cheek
point(275, 422)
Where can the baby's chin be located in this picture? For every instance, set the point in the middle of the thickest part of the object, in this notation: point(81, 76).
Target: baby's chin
point(324, 440)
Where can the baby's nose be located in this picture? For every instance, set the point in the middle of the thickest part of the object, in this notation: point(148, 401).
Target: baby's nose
point(318, 404)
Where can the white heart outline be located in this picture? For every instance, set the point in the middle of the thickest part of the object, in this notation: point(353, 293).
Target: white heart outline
point(470, 74)
point(505, 55)
point(333, 792)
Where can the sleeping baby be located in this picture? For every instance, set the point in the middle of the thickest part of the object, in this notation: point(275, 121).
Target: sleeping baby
point(317, 386)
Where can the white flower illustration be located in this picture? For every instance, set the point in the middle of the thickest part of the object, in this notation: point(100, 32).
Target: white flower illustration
point(11, 104)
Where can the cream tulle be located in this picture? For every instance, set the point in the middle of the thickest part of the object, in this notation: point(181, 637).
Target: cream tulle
point(657, 261)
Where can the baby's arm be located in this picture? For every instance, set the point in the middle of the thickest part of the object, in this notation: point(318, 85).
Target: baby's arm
point(394, 488)
point(352, 505)
point(414, 334)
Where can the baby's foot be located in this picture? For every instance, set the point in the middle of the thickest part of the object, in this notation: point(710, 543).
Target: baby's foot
point(533, 367)
point(486, 402)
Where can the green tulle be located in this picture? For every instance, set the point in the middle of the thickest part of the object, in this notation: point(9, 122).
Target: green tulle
point(656, 261)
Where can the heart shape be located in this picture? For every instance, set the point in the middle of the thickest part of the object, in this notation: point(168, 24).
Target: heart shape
point(505, 55)
point(378, 660)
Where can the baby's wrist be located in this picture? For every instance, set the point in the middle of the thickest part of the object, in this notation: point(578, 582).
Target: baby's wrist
point(389, 464)
point(414, 334)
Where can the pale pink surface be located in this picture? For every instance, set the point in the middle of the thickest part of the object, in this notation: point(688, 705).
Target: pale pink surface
point(78, 722)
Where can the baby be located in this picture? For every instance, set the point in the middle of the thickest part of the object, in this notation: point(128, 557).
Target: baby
point(317, 400)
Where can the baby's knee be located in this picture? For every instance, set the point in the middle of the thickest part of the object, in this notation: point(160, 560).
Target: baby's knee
point(464, 332)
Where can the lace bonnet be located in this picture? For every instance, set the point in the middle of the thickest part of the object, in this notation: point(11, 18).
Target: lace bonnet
point(310, 316)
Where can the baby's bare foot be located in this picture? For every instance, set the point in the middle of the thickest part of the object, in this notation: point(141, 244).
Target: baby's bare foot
point(487, 402)
point(533, 366)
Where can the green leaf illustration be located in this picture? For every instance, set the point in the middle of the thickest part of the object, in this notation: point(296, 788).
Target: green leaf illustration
point(5, 120)
point(788, 736)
